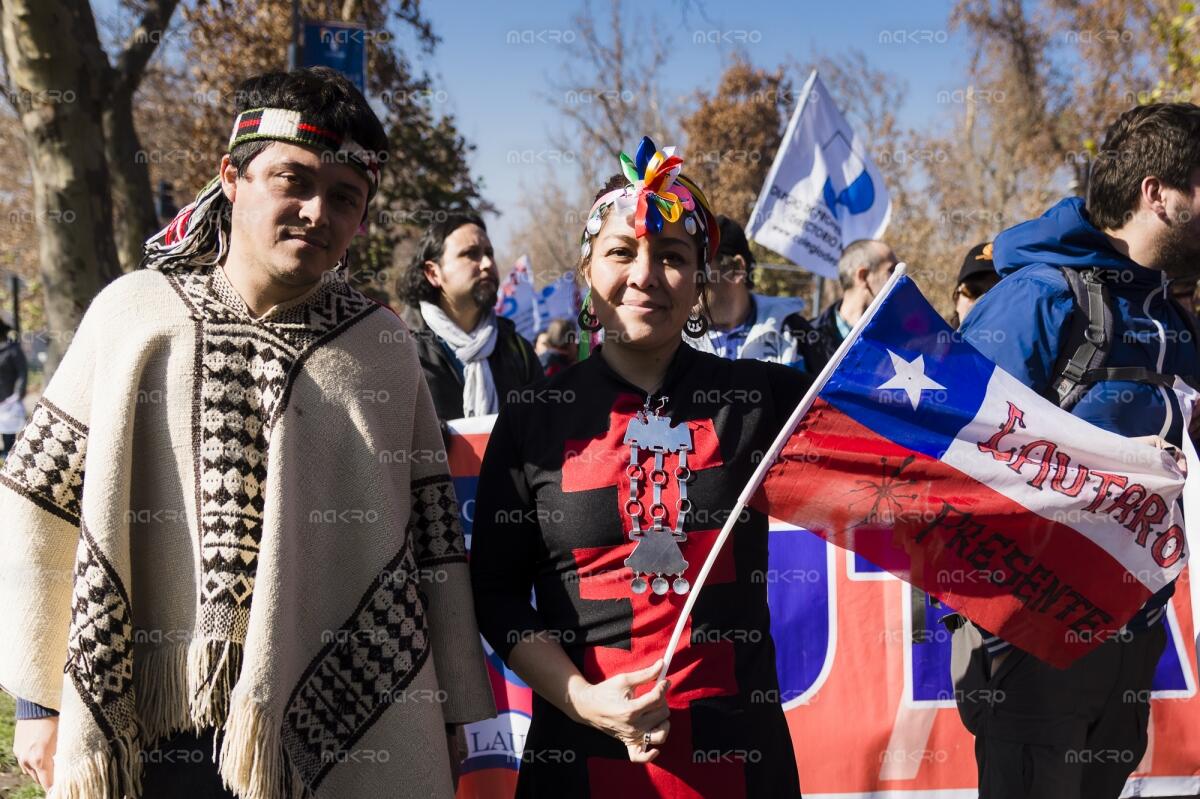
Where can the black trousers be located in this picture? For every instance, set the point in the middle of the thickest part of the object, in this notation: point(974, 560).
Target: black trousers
point(182, 767)
point(1047, 733)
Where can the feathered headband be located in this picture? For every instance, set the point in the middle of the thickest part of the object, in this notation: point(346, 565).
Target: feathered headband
point(661, 195)
point(197, 235)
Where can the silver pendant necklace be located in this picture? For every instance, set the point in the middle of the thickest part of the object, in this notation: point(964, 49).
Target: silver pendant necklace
point(657, 555)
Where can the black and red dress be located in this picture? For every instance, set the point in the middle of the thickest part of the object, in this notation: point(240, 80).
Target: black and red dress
point(553, 515)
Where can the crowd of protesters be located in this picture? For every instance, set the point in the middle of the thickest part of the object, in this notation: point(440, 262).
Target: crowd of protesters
point(272, 365)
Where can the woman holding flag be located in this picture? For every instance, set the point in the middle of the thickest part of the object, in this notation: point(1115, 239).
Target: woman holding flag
point(603, 493)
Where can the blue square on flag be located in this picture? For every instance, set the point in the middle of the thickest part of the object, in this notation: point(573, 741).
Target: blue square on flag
point(911, 375)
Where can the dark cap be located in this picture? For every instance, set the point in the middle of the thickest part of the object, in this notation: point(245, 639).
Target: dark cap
point(733, 240)
point(978, 262)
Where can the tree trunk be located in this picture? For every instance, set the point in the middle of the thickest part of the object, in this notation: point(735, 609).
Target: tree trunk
point(57, 67)
point(134, 219)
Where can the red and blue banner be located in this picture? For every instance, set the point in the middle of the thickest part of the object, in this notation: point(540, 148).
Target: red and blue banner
point(494, 746)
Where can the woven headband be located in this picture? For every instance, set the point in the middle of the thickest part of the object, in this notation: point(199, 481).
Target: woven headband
point(281, 124)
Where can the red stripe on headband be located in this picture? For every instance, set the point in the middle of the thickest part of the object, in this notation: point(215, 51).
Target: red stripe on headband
point(319, 131)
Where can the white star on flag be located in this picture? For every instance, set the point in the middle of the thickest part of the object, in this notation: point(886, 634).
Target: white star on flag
point(910, 377)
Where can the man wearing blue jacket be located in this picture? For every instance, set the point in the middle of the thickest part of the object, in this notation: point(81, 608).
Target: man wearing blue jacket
point(1078, 733)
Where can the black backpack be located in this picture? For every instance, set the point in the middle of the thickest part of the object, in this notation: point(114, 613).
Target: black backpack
point(1086, 347)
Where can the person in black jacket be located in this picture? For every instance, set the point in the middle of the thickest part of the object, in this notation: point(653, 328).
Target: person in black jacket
point(474, 360)
point(14, 372)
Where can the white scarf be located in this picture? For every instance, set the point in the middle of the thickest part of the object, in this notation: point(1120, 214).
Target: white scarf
point(472, 350)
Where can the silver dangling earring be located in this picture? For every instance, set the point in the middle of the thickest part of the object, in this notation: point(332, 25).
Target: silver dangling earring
point(696, 325)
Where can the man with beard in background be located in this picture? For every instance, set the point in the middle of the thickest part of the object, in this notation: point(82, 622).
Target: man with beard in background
point(474, 360)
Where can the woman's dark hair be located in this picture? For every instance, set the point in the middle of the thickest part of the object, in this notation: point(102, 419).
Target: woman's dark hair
point(323, 95)
point(413, 287)
point(1160, 140)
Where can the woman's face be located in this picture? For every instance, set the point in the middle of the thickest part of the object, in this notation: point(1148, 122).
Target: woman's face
point(643, 289)
point(963, 303)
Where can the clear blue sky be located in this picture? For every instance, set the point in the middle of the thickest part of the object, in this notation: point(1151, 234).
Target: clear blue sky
point(492, 85)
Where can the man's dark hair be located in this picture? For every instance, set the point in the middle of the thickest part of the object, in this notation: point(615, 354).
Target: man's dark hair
point(560, 333)
point(413, 286)
point(323, 95)
point(726, 264)
point(1160, 140)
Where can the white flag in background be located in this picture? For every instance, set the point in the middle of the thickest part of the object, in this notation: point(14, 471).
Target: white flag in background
point(823, 191)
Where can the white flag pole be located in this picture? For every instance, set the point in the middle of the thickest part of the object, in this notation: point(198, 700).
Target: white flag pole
point(760, 473)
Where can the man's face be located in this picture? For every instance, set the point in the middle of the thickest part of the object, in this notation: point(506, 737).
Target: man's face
point(294, 213)
point(467, 272)
point(728, 279)
point(1179, 246)
point(877, 277)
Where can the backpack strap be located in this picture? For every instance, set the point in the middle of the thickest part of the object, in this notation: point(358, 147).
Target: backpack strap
point(1086, 348)
point(1131, 374)
point(1088, 340)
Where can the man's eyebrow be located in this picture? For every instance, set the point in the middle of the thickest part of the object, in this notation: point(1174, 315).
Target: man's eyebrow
point(345, 184)
point(296, 166)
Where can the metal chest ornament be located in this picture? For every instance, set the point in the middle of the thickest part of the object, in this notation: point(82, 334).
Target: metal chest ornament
point(657, 555)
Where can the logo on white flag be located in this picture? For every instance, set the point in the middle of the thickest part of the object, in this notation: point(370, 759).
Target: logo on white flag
point(849, 183)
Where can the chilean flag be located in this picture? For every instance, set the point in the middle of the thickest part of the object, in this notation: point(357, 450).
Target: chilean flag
point(916, 452)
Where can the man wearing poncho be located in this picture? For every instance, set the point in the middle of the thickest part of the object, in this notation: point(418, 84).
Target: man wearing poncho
point(229, 516)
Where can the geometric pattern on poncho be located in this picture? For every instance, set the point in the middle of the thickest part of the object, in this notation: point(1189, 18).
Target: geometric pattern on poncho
point(364, 668)
point(245, 368)
point(100, 642)
point(47, 461)
point(434, 522)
